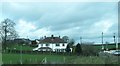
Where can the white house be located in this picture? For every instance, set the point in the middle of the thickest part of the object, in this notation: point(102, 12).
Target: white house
point(55, 44)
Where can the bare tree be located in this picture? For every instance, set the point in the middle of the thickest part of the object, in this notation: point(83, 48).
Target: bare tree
point(7, 31)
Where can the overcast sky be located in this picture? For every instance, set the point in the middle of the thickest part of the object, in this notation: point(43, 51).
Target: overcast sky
point(85, 19)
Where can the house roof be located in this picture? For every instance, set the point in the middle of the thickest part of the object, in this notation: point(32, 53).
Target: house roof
point(52, 40)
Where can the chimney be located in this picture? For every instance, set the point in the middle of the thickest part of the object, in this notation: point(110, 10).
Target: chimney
point(52, 36)
point(59, 36)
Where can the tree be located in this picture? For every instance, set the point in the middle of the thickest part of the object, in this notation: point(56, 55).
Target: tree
point(71, 42)
point(78, 49)
point(7, 31)
point(65, 38)
point(68, 50)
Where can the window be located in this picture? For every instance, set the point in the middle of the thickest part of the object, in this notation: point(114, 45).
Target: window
point(41, 45)
point(57, 44)
point(47, 44)
point(63, 44)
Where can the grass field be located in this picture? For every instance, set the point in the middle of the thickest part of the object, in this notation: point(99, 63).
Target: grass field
point(18, 47)
point(29, 58)
point(109, 46)
point(59, 59)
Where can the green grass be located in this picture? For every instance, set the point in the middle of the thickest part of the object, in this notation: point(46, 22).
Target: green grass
point(87, 60)
point(95, 60)
point(29, 58)
point(18, 47)
point(37, 58)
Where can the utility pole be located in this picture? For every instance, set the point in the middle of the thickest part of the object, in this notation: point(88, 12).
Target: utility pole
point(114, 37)
point(106, 45)
point(81, 40)
point(115, 41)
point(102, 42)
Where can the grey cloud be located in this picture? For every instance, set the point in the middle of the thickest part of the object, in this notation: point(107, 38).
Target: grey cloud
point(88, 15)
point(64, 18)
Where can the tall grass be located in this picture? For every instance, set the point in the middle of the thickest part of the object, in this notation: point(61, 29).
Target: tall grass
point(64, 59)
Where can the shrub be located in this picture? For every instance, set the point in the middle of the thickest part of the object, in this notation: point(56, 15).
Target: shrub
point(68, 50)
point(89, 50)
point(78, 49)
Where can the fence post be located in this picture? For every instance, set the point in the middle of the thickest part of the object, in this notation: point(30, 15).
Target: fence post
point(36, 60)
point(64, 59)
point(10, 62)
point(30, 60)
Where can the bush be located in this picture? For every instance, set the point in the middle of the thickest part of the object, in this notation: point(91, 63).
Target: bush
point(78, 49)
point(68, 50)
point(89, 50)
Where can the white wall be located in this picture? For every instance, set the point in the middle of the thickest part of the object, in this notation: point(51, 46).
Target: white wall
point(53, 46)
